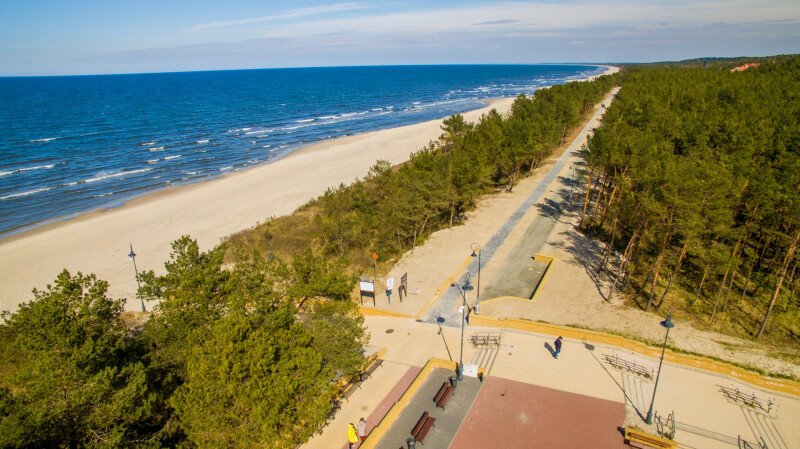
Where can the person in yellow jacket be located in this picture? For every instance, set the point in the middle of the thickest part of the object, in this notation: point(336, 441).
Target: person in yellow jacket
point(352, 435)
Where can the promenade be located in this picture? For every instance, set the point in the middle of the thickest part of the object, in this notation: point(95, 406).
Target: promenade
point(529, 399)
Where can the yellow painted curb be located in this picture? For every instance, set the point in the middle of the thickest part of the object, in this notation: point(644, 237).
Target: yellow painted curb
point(694, 361)
point(504, 298)
point(371, 311)
point(549, 261)
point(444, 286)
point(379, 431)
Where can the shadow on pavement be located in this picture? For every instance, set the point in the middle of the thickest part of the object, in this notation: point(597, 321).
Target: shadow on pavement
point(624, 393)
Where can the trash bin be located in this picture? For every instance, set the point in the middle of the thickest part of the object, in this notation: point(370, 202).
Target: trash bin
point(453, 381)
point(412, 443)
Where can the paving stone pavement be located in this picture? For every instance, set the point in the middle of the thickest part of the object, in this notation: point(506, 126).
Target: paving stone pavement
point(448, 420)
point(446, 310)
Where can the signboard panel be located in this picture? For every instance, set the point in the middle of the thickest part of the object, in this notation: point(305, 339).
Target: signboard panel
point(403, 289)
point(470, 370)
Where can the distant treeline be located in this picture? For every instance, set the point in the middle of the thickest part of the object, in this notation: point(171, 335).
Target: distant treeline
point(694, 180)
point(393, 209)
point(254, 351)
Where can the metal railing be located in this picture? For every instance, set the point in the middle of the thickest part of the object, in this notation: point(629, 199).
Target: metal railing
point(620, 363)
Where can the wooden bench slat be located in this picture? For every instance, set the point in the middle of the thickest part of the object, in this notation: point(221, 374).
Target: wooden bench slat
point(425, 428)
point(419, 424)
point(422, 427)
point(441, 392)
point(449, 391)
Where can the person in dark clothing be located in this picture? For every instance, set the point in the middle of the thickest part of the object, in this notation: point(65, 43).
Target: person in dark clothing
point(557, 344)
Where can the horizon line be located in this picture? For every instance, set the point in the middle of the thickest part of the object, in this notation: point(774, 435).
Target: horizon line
point(595, 64)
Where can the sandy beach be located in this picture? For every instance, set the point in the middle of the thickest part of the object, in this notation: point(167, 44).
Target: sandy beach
point(98, 242)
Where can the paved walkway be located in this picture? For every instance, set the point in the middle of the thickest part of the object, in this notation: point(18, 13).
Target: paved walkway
point(515, 415)
point(446, 309)
point(704, 417)
point(448, 420)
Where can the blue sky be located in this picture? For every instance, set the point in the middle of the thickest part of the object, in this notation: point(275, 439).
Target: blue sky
point(113, 36)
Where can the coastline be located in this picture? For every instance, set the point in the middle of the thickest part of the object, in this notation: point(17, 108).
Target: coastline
point(97, 241)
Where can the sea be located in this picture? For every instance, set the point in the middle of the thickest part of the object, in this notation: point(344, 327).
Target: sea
point(73, 144)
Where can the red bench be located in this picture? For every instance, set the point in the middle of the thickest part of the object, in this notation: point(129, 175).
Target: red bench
point(423, 426)
point(445, 391)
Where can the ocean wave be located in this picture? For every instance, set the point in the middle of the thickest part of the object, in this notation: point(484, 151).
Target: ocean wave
point(226, 168)
point(153, 161)
point(200, 142)
point(46, 139)
point(104, 176)
point(169, 158)
point(24, 169)
point(154, 149)
point(258, 131)
point(329, 119)
point(191, 173)
point(147, 144)
point(101, 195)
point(353, 114)
point(239, 130)
point(441, 103)
point(26, 193)
point(305, 120)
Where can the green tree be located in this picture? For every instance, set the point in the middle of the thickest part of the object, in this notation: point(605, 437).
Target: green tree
point(75, 382)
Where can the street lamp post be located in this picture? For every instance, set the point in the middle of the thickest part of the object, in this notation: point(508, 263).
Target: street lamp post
point(467, 287)
point(476, 250)
point(667, 323)
point(132, 255)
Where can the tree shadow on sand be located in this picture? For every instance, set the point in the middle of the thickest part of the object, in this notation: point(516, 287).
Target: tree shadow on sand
point(565, 204)
point(587, 254)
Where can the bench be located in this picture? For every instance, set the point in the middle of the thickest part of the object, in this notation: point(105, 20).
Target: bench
point(423, 426)
point(638, 438)
point(445, 391)
point(350, 388)
point(372, 367)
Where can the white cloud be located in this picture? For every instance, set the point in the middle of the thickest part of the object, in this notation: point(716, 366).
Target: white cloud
point(523, 16)
point(290, 14)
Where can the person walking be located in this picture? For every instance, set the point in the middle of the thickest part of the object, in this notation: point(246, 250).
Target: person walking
point(557, 344)
point(352, 436)
point(361, 429)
